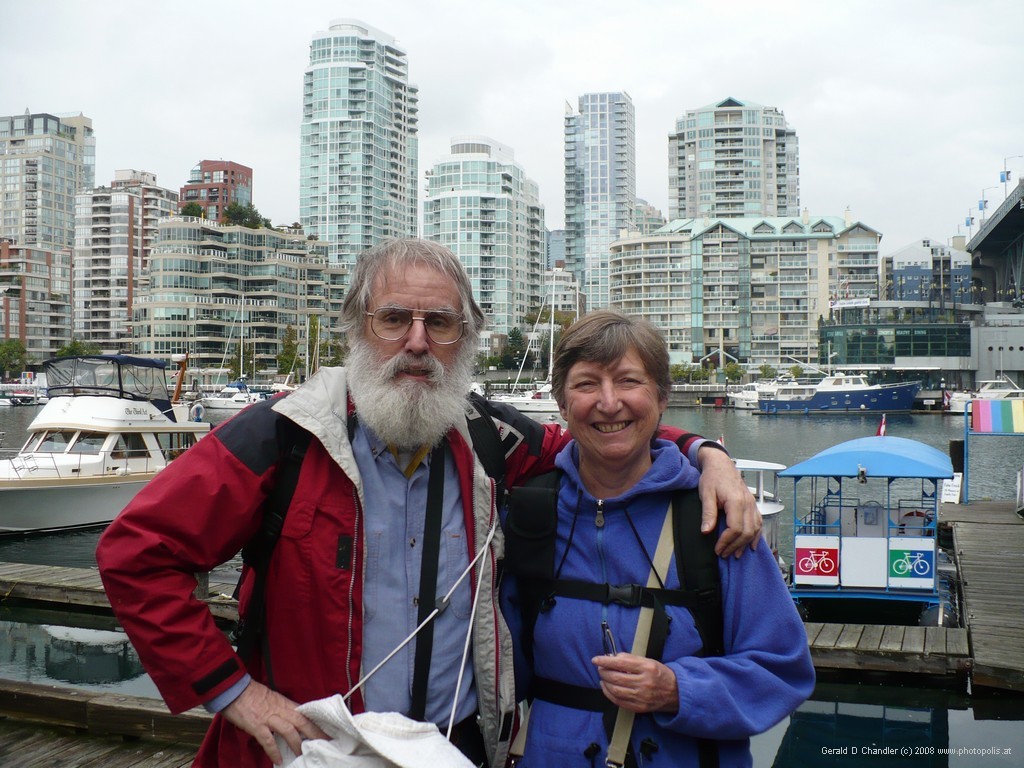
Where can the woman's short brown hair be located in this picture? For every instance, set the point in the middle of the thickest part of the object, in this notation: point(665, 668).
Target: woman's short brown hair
point(604, 337)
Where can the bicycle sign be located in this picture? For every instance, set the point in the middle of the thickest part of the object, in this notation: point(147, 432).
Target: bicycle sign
point(905, 563)
point(817, 561)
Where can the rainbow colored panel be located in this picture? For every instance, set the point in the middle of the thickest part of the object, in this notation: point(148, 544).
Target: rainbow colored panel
point(994, 416)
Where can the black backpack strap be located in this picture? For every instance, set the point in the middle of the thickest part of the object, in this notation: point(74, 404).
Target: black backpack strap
point(530, 527)
point(428, 583)
point(697, 566)
point(257, 552)
point(487, 443)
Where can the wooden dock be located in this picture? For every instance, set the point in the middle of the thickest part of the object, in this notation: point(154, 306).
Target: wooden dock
point(52, 725)
point(988, 542)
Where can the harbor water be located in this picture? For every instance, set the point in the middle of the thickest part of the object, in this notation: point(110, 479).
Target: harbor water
point(876, 721)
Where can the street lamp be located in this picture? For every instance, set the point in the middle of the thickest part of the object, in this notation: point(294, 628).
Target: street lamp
point(983, 203)
point(1004, 175)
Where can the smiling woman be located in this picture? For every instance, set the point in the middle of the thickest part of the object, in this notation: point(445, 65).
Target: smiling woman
point(616, 575)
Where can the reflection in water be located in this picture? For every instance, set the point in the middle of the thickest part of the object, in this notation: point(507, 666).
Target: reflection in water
point(35, 648)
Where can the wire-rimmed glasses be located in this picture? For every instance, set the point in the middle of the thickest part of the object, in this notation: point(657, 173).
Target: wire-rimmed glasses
point(393, 323)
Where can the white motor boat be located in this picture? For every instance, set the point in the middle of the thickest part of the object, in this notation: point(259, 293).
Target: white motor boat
point(105, 432)
point(1003, 388)
point(763, 481)
point(535, 402)
point(234, 397)
point(746, 397)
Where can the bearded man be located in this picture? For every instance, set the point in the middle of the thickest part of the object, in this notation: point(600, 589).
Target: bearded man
point(390, 498)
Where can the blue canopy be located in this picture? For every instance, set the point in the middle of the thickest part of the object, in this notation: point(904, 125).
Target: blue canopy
point(878, 457)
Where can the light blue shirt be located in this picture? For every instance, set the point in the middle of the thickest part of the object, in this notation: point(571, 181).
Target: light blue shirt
point(394, 519)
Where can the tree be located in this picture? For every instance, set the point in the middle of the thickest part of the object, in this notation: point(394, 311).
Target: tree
point(75, 348)
point(289, 350)
point(680, 371)
point(244, 215)
point(796, 371)
point(195, 210)
point(733, 372)
point(13, 356)
point(767, 372)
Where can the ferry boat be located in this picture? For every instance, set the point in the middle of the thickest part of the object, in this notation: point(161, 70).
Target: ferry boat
point(763, 481)
point(841, 392)
point(1003, 388)
point(105, 432)
point(869, 532)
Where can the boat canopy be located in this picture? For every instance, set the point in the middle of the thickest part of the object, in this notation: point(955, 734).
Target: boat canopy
point(875, 457)
point(135, 378)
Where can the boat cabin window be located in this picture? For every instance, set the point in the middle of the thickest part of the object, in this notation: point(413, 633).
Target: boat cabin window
point(89, 442)
point(172, 444)
point(52, 441)
point(129, 445)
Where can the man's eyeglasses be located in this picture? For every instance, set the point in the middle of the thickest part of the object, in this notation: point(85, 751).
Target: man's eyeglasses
point(393, 323)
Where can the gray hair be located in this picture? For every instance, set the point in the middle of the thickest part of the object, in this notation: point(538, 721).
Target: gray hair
point(396, 255)
point(604, 337)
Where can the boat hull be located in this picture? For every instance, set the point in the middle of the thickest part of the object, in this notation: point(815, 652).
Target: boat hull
point(886, 398)
point(55, 505)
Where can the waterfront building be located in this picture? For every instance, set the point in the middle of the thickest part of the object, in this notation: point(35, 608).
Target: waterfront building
point(733, 159)
point(359, 156)
point(564, 292)
point(482, 206)
point(214, 185)
point(997, 253)
point(44, 161)
point(115, 229)
point(555, 248)
point(647, 218)
point(600, 186)
point(927, 270)
point(754, 288)
point(224, 293)
point(35, 298)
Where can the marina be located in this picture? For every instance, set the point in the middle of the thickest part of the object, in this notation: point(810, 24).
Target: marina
point(943, 656)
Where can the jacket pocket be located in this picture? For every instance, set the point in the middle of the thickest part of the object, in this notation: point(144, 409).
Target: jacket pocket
point(458, 559)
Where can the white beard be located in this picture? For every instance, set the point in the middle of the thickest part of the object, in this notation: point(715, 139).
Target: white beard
point(406, 413)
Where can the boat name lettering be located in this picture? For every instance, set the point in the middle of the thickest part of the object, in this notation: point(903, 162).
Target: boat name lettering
point(129, 411)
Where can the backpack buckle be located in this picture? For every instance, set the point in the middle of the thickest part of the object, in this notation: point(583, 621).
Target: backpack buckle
point(625, 594)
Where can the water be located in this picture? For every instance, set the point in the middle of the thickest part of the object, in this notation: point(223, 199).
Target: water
point(870, 721)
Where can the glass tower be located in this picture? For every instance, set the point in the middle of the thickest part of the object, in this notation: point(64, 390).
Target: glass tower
point(358, 174)
point(600, 186)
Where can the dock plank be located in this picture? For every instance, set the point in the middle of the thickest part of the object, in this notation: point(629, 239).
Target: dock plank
point(870, 638)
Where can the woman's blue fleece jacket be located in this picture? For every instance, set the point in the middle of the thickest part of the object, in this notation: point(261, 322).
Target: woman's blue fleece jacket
point(766, 671)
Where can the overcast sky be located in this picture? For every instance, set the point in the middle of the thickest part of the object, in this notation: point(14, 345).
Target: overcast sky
point(905, 109)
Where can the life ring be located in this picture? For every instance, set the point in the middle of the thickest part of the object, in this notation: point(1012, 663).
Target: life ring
point(197, 412)
point(915, 519)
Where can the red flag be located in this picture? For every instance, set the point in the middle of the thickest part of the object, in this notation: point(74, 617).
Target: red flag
point(881, 427)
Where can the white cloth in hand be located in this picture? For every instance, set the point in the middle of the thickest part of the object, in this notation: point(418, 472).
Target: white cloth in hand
point(370, 740)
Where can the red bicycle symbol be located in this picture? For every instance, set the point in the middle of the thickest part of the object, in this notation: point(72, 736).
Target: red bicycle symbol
point(818, 560)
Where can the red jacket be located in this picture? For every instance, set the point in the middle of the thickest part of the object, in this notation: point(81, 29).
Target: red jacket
point(200, 511)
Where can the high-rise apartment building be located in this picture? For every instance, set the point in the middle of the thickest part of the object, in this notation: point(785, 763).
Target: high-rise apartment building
point(214, 185)
point(556, 248)
point(35, 298)
point(600, 186)
point(482, 206)
point(757, 288)
point(45, 160)
point(733, 159)
point(647, 218)
point(228, 293)
point(359, 156)
point(116, 227)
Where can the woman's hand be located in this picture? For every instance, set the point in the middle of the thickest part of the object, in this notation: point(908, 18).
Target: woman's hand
point(637, 683)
